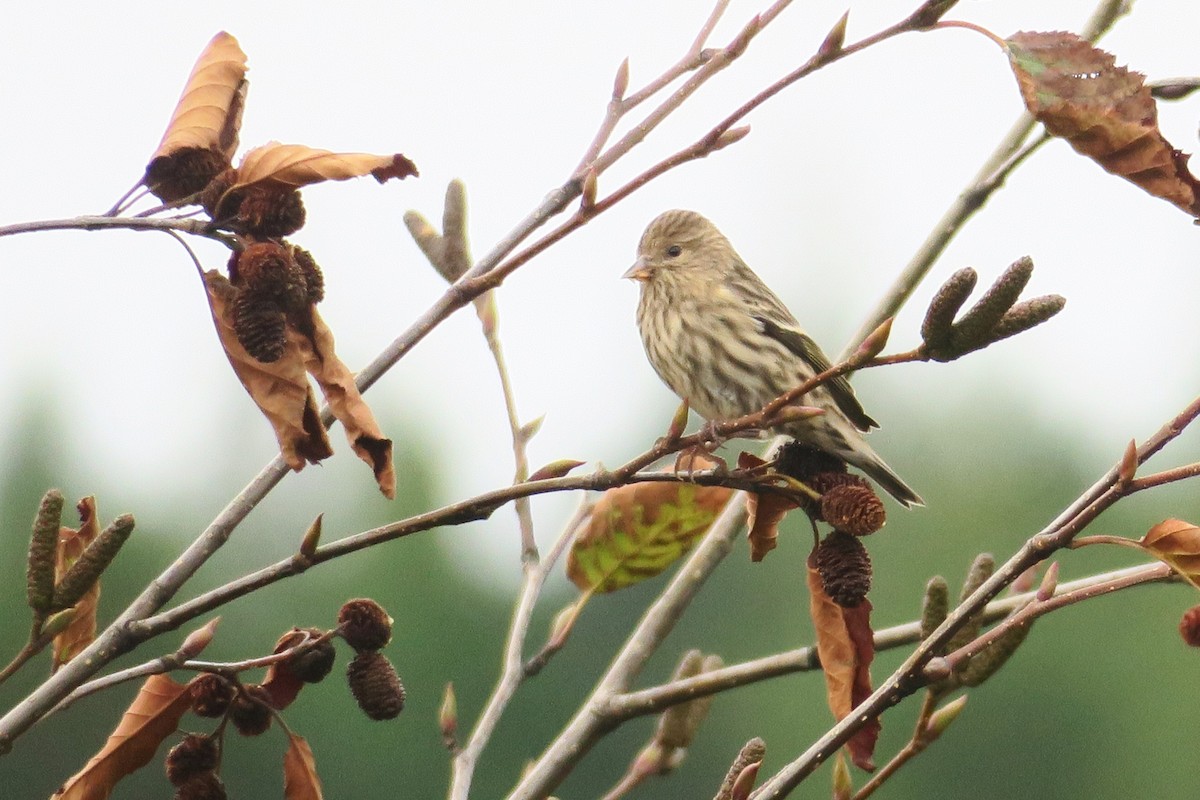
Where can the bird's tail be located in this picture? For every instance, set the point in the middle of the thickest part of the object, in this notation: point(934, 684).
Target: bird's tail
point(869, 462)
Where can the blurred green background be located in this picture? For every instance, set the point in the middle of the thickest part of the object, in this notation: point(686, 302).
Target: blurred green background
point(1100, 702)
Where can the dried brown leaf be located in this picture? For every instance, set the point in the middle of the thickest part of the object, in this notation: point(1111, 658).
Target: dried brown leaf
point(346, 402)
point(280, 388)
point(152, 717)
point(295, 165)
point(834, 646)
point(300, 780)
point(71, 544)
point(858, 625)
point(209, 111)
point(281, 683)
point(1104, 111)
point(845, 646)
point(764, 513)
point(1176, 543)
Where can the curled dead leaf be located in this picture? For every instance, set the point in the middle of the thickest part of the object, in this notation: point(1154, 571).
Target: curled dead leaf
point(1104, 111)
point(294, 165)
point(764, 513)
point(846, 647)
point(300, 780)
point(71, 543)
point(152, 717)
point(1177, 544)
point(280, 388)
point(209, 111)
point(637, 531)
point(347, 404)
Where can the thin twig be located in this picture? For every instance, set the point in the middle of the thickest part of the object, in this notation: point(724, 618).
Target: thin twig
point(97, 223)
point(804, 659)
point(1006, 157)
point(1058, 534)
point(512, 672)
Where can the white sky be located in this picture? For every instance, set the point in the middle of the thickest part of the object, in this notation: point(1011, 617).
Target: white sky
point(839, 181)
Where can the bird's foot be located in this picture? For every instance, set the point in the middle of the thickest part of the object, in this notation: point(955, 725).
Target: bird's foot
point(699, 457)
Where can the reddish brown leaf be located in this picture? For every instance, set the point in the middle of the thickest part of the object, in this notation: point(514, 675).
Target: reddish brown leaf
point(280, 389)
point(71, 544)
point(294, 165)
point(209, 112)
point(300, 780)
point(281, 684)
point(1176, 543)
point(1106, 112)
point(845, 645)
point(152, 717)
point(637, 531)
point(834, 646)
point(764, 513)
point(337, 383)
point(858, 626)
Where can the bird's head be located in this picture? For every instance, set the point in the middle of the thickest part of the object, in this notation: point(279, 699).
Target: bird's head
point(678, 242)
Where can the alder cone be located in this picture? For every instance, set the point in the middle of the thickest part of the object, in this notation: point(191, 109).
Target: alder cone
point(364, 624)
point(802, 461)
point(314, 280)
point(211, 695)
point(183, 173)
point(251, 711)
point(314, 664)
point(260, 325)
point(204, 786)
point(845, 568)
point(855, 509)
point(375, 685)
point(269, 270)
point(192, 756)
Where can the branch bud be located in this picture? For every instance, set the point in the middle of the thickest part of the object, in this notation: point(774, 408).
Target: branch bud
point(587, 199)
point(742, 40)
point(58, 622)
point(843, 784)
point(195, 642)
point(1129, 465)
point(555, 469)
point(678, 422)
point(944, 717)
point(448, 718)
point(312, 537)
point(834, 39)
point(730, 136)
point(874, 343)
point(751, 755)
point(1049, 583)
point(621, 81)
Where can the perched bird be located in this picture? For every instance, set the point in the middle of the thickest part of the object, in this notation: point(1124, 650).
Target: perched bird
point(722, 340)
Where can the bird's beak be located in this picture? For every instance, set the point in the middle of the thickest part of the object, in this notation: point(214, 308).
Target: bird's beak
point(640, 271)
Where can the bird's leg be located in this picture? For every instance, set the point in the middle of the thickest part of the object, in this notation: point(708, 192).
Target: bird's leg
point(699, 456)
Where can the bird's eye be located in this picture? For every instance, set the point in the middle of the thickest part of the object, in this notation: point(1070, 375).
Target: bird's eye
point(674, 250)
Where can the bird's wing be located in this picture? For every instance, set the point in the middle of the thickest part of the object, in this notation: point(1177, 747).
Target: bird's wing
point(803, 346)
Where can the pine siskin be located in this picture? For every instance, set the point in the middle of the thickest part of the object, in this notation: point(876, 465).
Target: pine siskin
point(720, 338)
